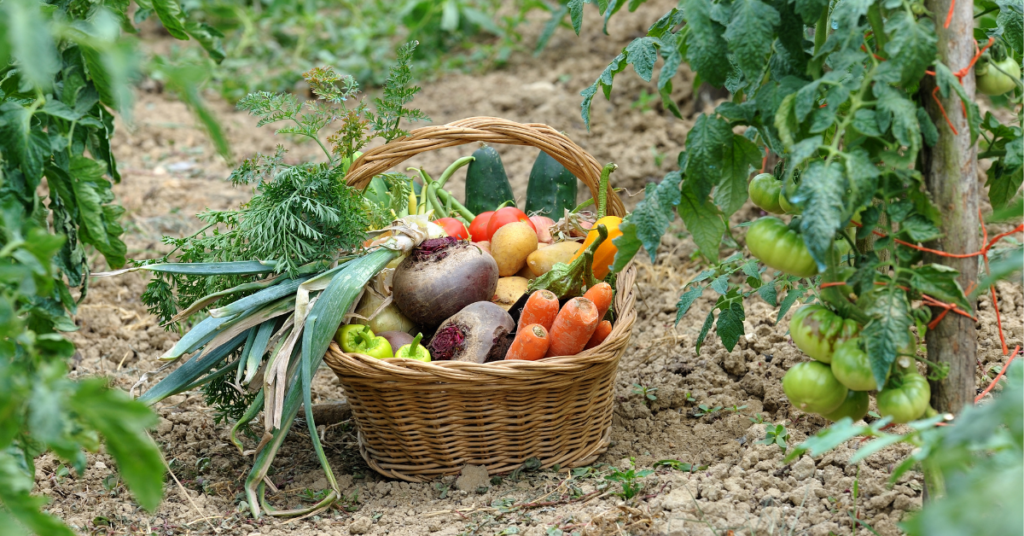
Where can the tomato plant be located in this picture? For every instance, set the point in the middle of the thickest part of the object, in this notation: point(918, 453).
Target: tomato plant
point(812, 387)
point(781, 247)
point(841, 93)
point(905, 397)
point(65, 70)
point(852, 368)
point(817, 331)
point(764, 190)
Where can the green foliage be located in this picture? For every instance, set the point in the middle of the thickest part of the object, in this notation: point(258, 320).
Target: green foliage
point(776, 435)
point(832, 88)
point(629, 480)
point(262, 46)
point(972, 467)
point(65, 68)
point(302, 217)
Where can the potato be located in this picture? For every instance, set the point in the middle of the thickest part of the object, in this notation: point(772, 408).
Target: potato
point(511, 245)
point(526, 271)
point(542, 260)
point(509, 291)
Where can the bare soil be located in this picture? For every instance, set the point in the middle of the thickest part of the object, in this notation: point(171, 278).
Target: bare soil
point(171, 172)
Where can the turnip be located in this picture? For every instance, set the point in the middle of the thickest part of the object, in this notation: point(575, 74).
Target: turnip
point(440, 277)
point(479, 333)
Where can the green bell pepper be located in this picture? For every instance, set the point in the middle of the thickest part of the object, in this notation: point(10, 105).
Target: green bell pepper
point(415, 350)
point(357, 338)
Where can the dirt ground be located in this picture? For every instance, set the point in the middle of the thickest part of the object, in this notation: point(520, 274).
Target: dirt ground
point(170, 173)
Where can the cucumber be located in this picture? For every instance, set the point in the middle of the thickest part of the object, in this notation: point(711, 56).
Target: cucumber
point(486, 182)
point(552, 188)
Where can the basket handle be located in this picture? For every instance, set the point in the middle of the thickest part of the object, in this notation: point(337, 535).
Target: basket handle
point(489, 130)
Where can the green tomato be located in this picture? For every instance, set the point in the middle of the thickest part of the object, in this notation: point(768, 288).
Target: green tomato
point(817, 331)
point(855, 407)
point(764, 192)
point(992, 82)
point(779, 247)
point(786, 206)
point(811, 387)
point(852, 367)
point(905, 399)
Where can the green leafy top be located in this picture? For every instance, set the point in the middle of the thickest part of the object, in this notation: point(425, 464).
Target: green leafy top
point(304, 216)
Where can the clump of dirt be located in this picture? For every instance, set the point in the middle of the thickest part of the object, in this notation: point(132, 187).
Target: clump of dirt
point(710, 410)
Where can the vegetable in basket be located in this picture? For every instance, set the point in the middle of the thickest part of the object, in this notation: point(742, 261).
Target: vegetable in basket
point(440, 277)
point(552, 188)
point(414, 350)
point(479, 333)
point(487, 184)
point(356, 338)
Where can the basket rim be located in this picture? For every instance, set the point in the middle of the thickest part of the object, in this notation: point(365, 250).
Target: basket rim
point(485, 129)
point(361, 365)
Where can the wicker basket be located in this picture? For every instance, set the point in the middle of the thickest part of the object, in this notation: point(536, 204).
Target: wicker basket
point(418, 421)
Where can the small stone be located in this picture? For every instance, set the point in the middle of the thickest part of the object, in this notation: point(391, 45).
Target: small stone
point(803, 469)
point(433, 527)
point(100, 465)
point(242, 506)
point(472, 478)
point(361, 525)
point(676, 499)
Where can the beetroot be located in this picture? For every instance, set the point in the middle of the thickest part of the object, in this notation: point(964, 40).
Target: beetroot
point(440, 278)
point(480, 333)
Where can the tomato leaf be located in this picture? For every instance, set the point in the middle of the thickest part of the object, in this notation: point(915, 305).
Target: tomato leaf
point(810, 10)
point(653, 215)
point(703, 220)
point(31, 145)
point(730, 324)
point(686, 300)
point(946, 82)
point(642, 53)
point(1011, 21)
point(750, 34)
point(170, 15)
point(840, 432)
point(895, 111)
point(738, 158)
point(706, 48)
point(821, 191)
point(604, 81)
point(939, 282)
point(791, 297)
point(769, 293)
point(705, 147)
point(708, 320)
point(863, 175)
point(919, 228)
point(31, 42)
point(928, 129)
point(887, 332)
point(122, 422)
point(911, 46)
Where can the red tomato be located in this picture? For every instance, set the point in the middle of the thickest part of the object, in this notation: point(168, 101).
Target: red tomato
point(505, 216)
point(453, 227)
point(478, 227)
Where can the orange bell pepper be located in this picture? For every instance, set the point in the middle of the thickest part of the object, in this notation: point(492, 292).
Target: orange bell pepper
point(605, 254)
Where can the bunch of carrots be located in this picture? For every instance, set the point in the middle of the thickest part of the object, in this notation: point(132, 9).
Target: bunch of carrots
point(547, 331)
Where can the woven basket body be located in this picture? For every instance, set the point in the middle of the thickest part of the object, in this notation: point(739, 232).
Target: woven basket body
point(418, 421)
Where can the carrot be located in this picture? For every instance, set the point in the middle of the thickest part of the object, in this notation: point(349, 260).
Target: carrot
point(541, 308)
point(600, 334)
point(573, 327)
point(601, 295)
point(530, 344)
